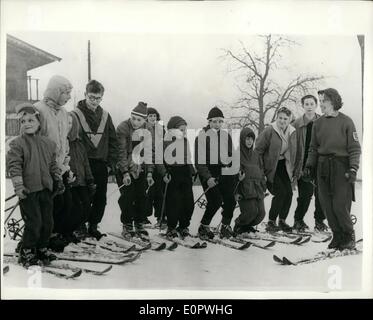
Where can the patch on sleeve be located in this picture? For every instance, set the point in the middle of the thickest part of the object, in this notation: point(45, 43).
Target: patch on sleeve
point(354, 135)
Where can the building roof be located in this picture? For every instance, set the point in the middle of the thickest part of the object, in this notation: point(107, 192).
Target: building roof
point(34, 57)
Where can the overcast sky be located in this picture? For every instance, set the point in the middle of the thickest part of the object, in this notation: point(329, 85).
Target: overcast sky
point(181, 74)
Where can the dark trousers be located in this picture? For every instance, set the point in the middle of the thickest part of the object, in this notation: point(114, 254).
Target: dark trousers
point(62, 205)
point(155, 197)
point(252, 212)
point(282, 193)
point(335, 192)
point(37, 213)
point(220, 196)
point(305, 192)
point(100, 175)
point(81, 203)
point(179, 198)
point(132, 200)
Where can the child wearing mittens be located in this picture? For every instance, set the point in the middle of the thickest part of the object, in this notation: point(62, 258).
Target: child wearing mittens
point(251, 187)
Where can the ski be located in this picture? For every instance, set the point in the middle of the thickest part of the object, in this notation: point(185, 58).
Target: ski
point(13, 258)
point(142, 242)
point(229, 243)
point(183, 242)
point(317, 237)
point(254, 243)
point(69, 274)
point(109, 246)
point(320, 256)
point(171, 245)
point(5, 269)
point(270, 237)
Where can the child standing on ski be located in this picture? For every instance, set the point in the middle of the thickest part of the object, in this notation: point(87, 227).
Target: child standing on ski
point(31, 163)
point(218, 187)
point(178, 172)
point(133, 177)
point(252, 185)
point(83, 187)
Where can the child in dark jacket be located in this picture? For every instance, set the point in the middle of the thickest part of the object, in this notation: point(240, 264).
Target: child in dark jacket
point(31, 163)
point(178, 172)
point(83, 187)
point(252, 185)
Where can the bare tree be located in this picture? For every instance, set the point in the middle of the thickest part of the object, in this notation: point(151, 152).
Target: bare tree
point(260, 94)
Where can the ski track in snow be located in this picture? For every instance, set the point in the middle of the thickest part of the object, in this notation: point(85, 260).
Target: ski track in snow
point(213, 268)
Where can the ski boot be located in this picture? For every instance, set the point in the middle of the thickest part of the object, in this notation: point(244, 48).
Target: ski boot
point(82, 232)
point(140, 231)
point(348, 241)
point(225, 231)
point(272, 226)
point(57, 243)
point(45, 256)
point(94, 233)
point(204, 232)
point(284, 226)
point(336, 241)
point(300, 226)
point(161, 224)
point(19, 246)
point(28, 257)
point(320, 226)
point(128, 231)
point(171, 233)
point(183, 232)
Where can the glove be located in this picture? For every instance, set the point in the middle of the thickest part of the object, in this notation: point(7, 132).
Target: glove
point(351, 176)
point(150, 179)
point(92, 189)
point(59, 187)
point(70, 177)
point(126, 179)
point(211, 182)
point(167, 178)
point(21, 191)
point(238, 197)
point(241, 175)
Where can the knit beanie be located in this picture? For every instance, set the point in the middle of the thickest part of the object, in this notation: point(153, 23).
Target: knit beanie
point(175, 122)
point(140, 110)
point(215, 112)
point(154, 111)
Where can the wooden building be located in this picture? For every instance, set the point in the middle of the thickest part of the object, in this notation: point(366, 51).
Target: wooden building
point(21, 57)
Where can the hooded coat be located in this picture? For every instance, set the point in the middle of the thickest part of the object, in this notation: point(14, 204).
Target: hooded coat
point(79, 163)
point(54, 119)
point(254, 184)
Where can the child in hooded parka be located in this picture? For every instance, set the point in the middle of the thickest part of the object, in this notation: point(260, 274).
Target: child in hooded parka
point(252, 185)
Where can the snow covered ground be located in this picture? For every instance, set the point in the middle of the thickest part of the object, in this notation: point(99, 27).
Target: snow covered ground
point(213, 268)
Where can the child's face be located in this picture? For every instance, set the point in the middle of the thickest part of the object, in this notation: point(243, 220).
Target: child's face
point(283, 120)
point(152, 118)
point(325, 104)
point(70, 122)
point(29, 123)
point(93, 100)
point(183, 129)
point(249, 141)
point(216, 123)
point(137, 121)
point(309, 105)
point(64, 97)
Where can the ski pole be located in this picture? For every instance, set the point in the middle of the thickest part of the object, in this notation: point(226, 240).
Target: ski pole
point(111, 193)
point(195, 202)
point(11, 212)
point(163, 205)
point(11, 197)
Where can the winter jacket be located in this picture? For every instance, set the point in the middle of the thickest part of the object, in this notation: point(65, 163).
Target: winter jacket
point(269, 145)
point(33, 157)
point(254, 184)
point(209, 156)
point(98, 133)
point(79, 163)
point(334, 136)
point(126, 145)
point(175, 144)
point(300, 125)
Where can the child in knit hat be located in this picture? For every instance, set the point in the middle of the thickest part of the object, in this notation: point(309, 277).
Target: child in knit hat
point(178, 172)
point(133, 177)
point(29, 153)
